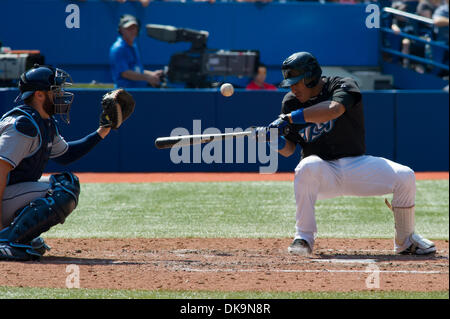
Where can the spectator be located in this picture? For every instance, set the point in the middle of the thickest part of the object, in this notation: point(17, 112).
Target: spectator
point(411, 5)
point(345, 1)
point(144, 3)
point(253, 0)
point(126, 66)
point(425, 8)
point(259, 80)
point(440, 19)
point(401, 24)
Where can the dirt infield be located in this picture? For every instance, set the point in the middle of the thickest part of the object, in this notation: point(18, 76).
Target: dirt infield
point(207, 177)
point(230, 265)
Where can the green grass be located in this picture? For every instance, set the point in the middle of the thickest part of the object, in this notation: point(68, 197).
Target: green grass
point(92, 86)
point(48, 293)
point(239, 209)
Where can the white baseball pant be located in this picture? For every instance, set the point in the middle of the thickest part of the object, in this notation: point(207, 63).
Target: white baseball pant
point(354, 176)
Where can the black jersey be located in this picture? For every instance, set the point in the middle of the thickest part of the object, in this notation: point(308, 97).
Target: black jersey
point(341, 137)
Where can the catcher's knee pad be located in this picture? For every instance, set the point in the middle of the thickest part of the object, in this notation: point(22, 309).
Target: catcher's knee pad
point(43, 213)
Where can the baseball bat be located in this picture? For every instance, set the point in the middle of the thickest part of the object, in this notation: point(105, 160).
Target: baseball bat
point(184, 140)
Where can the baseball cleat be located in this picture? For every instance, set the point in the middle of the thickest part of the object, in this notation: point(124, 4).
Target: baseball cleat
point(419, 246)
point(300, 247)
point(20, 252)
point(12, 253)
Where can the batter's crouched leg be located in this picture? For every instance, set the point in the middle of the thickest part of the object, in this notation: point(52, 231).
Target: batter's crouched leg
point(406, 241)
point(20, 240)
point(314, 177)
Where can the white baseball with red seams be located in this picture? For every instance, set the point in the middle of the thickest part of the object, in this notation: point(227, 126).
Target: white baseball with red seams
point(227, 89)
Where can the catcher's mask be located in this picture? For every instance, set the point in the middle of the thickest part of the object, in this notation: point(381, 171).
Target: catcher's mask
point(298, 66)
point(48, 78)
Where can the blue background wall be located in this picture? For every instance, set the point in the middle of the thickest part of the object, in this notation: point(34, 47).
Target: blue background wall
point(276, 29)
point(410, 127)
point(407, 126)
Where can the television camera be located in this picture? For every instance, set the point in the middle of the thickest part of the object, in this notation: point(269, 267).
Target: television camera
point(15, 62)
point(196, 66)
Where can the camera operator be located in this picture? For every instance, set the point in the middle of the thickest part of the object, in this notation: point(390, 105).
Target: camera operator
point(126, 65)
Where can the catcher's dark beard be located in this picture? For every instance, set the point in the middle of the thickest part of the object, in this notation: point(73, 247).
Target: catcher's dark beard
point(49, 106)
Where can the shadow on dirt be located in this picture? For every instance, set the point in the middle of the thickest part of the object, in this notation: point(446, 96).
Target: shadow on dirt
point(52, 260)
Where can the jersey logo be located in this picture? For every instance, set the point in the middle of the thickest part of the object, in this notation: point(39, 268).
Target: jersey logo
point(311, 133)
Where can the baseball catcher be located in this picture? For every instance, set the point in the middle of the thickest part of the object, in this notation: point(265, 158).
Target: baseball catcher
point(324, 116)
point(29, 137)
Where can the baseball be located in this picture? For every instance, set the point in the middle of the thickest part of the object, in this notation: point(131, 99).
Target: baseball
point(227, 89)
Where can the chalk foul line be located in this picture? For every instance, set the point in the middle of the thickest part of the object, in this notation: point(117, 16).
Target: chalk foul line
point(416, 272)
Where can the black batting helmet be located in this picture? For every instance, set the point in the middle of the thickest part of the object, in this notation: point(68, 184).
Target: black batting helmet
point(301, 65)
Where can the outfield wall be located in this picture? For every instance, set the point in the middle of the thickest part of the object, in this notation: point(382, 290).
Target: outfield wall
point(410, 127)
point(336, 34)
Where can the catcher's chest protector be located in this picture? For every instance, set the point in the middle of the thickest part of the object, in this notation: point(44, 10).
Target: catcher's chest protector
point(30, 169)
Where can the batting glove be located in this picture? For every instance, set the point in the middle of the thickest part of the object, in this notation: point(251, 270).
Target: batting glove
point(281, 124)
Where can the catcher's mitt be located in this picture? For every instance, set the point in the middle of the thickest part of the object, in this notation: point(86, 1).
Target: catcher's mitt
point(117, 106)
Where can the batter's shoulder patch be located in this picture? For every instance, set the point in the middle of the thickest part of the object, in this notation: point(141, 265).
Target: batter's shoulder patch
point(349, 84)
point(25, 126)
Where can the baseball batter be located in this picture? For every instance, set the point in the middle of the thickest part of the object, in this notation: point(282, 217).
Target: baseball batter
point(324, 115)
point(29, 137)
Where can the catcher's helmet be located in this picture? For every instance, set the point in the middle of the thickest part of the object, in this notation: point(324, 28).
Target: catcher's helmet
point(301, 65)
point(47, 78)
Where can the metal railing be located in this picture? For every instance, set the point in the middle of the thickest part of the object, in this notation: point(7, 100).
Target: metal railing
point(437, 50)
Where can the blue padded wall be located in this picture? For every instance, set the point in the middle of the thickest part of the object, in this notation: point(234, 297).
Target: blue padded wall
point(410, 127)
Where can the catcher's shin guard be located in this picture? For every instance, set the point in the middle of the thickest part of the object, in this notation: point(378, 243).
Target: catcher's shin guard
point(43, 213)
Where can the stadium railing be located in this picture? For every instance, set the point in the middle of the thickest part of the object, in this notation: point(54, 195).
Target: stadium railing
point(391, 42)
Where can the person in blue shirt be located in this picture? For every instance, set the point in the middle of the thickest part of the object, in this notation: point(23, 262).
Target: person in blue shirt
point(440, 18)
point(126, 66)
